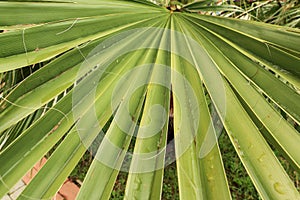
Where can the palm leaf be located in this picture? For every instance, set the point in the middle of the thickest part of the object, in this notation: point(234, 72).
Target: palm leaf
point(128, 66)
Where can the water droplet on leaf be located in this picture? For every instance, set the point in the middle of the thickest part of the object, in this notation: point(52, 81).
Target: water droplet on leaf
point(279, 188)
point(210, 178)
point(261, 157)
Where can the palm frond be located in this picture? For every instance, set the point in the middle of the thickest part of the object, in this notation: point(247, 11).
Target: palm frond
point(129, 66)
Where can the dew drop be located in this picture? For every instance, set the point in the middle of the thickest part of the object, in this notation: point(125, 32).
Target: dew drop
point(261, 157)
point(136, 186)
point(279, 188)
point(270, 177)
point(284, 71)
point(137, 180)
point(210, 178)
point(236, 141)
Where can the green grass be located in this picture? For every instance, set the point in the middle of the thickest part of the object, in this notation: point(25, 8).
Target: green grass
point(119, 188)
point(240, 184)
point(170, 184)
